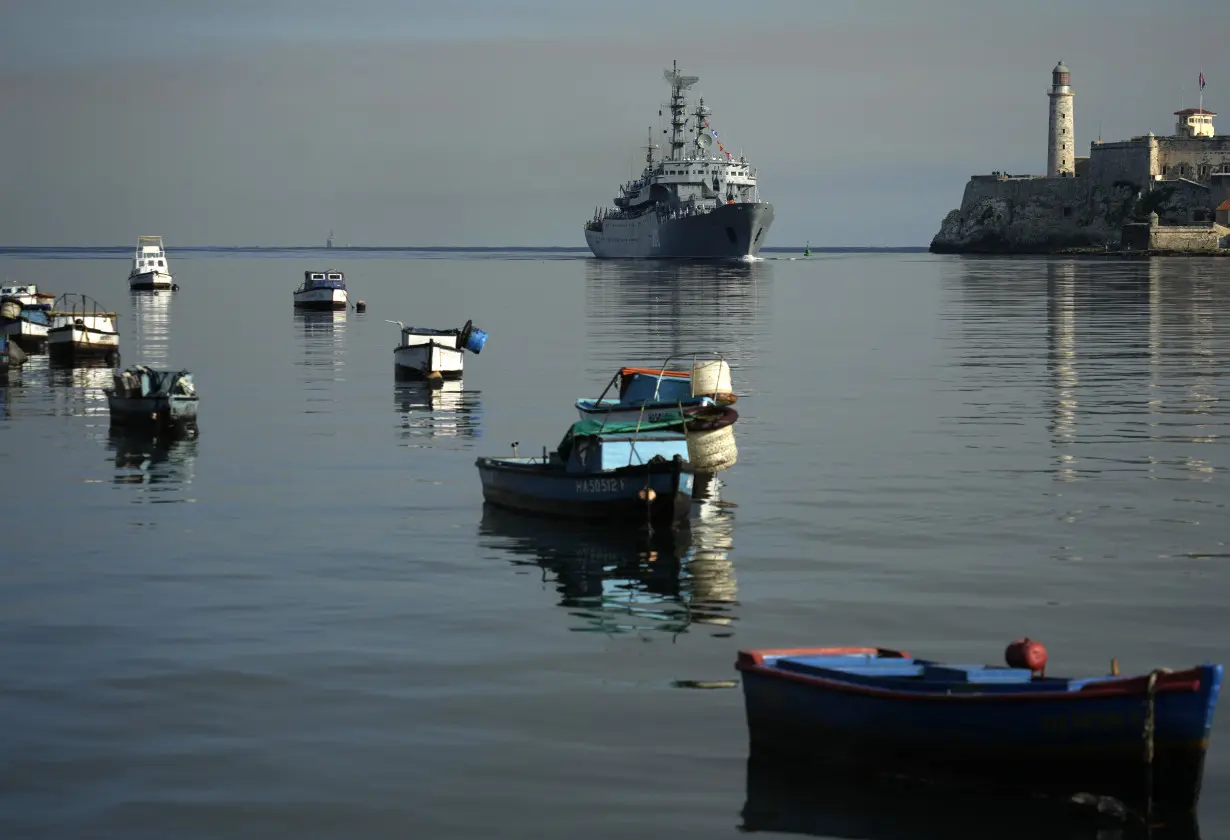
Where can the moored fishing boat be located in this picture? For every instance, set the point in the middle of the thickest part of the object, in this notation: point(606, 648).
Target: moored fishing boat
point(701, 397)
point(151, 268)
point(82, 331)
point(435, 355)
point(27, 295)
point(322, 290)
point(143, 396)
point(25, 325)
point(1139, 739)
point(611, 472)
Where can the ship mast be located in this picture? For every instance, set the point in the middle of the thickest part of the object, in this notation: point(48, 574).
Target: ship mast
point(649, 147)
point(701, 135)
point(679, 83)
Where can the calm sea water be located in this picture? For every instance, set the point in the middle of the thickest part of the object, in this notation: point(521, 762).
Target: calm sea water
point(304, 623)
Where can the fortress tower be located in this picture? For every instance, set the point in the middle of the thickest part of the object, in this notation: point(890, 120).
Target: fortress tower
point(1061, 137)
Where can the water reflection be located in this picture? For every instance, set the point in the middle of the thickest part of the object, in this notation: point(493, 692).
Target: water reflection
point(78, 391)
point(447, 410)
point(323, 351)
point(151, 310)
point(791, 800)
point(1134, 353)
point(1061, 360)
point(643, 311)
point(621, 581)
point(323, 338)
point(162, 467)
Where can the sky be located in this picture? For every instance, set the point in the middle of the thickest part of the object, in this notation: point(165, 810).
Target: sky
point(506, 122)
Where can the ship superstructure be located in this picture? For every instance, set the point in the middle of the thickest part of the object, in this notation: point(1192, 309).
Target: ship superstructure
point(697, 201)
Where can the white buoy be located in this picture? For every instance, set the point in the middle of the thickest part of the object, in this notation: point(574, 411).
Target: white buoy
point(712, 379)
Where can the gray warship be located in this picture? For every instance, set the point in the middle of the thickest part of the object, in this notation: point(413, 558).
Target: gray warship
point(696, 202)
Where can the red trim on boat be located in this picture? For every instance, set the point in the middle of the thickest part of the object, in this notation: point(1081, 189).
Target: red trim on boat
point(754, 661)
point(628, 371)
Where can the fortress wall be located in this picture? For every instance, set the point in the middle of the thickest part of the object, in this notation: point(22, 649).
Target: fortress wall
point(1194, 158)
point(1059, 192)
point(1182, 202)
point(1127, 162)
point(1220, 188)
point(1183, 238)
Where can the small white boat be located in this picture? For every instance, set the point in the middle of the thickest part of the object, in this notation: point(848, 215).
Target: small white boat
point(28, 295)
point(143, 396)
point(150, 267)
point(435, 355)
point(81, 330)
point(322, 290)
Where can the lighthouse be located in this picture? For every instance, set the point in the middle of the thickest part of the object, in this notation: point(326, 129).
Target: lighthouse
point(1061, 139)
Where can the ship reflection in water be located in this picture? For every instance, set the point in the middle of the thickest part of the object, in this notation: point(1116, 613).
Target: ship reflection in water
point(444, 410)
point(162, 467)
point(151, 310)
point(790, 800)
point(322, 343)
point(627, 581)
point(678, 307)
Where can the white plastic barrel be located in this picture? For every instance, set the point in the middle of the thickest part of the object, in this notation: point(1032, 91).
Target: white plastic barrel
point(711, 379)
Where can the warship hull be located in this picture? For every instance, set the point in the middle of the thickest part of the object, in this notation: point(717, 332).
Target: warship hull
point(732, 231)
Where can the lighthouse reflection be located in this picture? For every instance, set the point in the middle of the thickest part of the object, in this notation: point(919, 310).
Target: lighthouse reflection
point(627, 581)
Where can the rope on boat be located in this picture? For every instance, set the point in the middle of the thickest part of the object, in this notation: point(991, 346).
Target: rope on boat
point(1149, 734)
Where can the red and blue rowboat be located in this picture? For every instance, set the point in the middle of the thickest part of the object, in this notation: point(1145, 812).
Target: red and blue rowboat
point(1140, 739)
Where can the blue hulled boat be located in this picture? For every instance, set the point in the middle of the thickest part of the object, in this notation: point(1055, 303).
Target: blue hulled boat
point(624, 472)
point(1140, 739)
point(644, 394)
point(656, 394)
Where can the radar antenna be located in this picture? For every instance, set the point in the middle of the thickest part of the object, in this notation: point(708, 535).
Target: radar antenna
point(679, 83)
point(649, 147)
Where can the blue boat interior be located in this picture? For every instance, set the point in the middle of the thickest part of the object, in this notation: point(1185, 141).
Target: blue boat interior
point(35, 315)
point(608, 403)
point(636, 388)
point(909, 674)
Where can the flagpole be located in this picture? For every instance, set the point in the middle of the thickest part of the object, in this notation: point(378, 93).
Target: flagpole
point(1201, 105)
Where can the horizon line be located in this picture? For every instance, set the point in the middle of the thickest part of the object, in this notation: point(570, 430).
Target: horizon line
point(565, 248)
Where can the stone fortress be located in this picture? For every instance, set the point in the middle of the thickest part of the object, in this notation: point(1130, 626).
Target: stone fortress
point(1149, 193)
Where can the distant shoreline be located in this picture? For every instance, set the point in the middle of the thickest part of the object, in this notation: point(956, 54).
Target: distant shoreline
point(460, 249)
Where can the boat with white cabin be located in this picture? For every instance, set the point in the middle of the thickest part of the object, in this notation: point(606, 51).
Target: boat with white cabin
point(82, 330)
point(28, 295)
point(150, 267)
point(322, 290)
point(432, 354)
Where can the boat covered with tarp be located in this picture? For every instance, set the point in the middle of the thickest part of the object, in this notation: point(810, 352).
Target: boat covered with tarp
point(144, 395)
